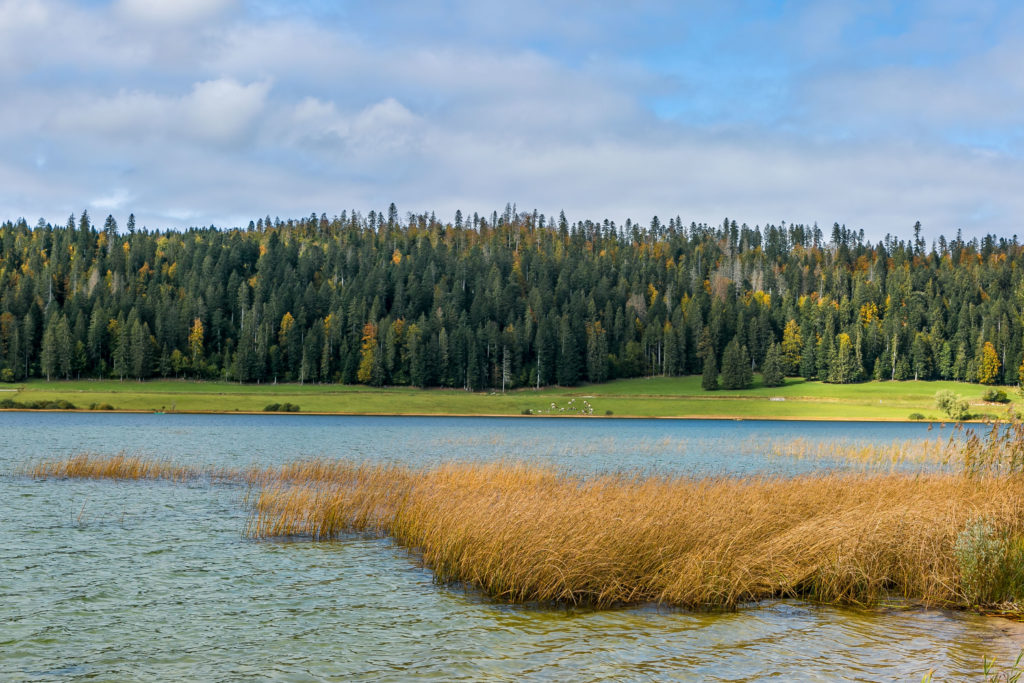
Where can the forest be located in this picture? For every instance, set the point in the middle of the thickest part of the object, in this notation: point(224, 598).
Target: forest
point(503, 301)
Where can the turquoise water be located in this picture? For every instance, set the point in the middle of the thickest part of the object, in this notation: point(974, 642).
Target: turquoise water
point(104, 580)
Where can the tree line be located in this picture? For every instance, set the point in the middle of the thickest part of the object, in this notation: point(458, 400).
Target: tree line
point(502, 301)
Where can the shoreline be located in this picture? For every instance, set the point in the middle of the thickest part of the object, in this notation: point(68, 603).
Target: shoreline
point(658, 398)
point(720, 418)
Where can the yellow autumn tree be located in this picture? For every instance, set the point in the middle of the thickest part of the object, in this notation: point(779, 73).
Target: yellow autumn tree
point(195, 344)
point(368, 354)
point(792, 349)
point(988, 364)
point(287, 323)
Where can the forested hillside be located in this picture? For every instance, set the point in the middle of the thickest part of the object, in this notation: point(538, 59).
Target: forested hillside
point(503, 301)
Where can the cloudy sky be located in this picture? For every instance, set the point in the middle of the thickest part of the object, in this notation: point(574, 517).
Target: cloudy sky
point(195, 112)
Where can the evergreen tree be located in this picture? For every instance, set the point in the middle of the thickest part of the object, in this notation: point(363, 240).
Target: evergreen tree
point(945, 361)
point(597, 352)
point(709, 375)
point(568, 356)
point(808, 362)
point(65, 347)
point(921, 356)
point(844, 368)
point(141, 350)
point(736, 372)
point(706, 351)
point(121, 340)
point(671, 364)
point(771, 369)
point(48, 354)
point(490, 296)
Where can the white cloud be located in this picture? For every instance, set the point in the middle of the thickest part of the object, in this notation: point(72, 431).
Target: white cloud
point(220, 111)
point(117, 199)
point(383, 128)
point(223, 110)
point(172, 12)
point(19, 15)
point(195, 112)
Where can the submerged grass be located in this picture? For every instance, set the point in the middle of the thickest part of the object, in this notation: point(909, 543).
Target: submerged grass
point(533, 533)
point(873, 455)
point(118, 466)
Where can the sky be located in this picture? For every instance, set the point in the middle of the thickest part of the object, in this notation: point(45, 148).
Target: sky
point(872, 114)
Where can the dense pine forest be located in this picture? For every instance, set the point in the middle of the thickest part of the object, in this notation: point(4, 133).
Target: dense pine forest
point(504, 301)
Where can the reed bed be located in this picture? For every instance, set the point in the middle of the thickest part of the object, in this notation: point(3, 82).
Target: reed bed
point(117, 466)
point(929, 452)
point(534, 533)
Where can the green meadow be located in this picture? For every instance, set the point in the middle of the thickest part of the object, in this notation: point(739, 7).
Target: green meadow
point(639, 397)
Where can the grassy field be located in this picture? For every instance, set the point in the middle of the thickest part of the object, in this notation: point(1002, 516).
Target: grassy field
point(642, 397)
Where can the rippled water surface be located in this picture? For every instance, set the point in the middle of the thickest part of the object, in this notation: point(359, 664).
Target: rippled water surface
point(153, 581)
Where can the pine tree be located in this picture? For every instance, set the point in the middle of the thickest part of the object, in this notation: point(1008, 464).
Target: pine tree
point(808, 362)
point(945, 361)
point(417, 356)
point(65, 347)
point(921, 356)
point(568, 356)
point(48, 354)
point(671, 363)
point(844, 368)
point(706, 351)
point(735, 366)
point(771, 369)
point(709, 376)
point(121, 341)
point(141, 350)
point(597, 352)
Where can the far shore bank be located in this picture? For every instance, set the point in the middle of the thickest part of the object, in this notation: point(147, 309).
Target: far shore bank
point(639, 398)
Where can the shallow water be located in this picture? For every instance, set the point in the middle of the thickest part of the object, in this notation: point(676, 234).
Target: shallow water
point(153, 581)
point(707, 447)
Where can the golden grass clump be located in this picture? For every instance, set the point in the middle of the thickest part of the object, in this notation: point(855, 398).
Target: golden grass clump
point(118, 466)
point(525, 533)
point(534, 533)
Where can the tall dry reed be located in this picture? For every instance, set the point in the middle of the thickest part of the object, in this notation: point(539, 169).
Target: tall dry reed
point(876, 456)
point(524, 533)
point(118, 466)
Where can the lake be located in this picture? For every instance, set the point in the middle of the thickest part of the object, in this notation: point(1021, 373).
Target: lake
point(152, 580)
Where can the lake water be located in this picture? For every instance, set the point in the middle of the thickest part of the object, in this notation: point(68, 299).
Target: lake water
point(104, 580)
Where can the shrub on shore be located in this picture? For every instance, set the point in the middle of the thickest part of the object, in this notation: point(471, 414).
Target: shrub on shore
point(11, 404)
point(953, 405)
point(995, 396)
point(281, 408)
